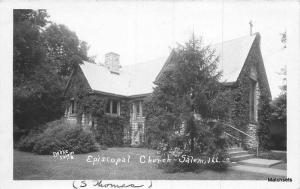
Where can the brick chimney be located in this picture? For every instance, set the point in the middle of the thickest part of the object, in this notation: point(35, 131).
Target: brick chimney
point(112, 62)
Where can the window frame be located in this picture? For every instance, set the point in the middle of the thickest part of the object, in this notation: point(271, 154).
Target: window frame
point(72, 107)
point(110, 104)
point(114, 107)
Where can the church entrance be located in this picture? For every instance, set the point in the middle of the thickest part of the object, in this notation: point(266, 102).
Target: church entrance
point(137, 123)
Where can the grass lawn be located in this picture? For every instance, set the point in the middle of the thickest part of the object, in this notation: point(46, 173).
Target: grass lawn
point(29, 166)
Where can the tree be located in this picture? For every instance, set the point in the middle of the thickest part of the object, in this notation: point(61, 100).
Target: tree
point(44, 56)
point(28, 64)
point(184, 91)
point(279, 103)
point(64, 50)
point(29, 50)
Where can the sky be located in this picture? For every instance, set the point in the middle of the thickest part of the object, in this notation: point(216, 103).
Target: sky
point(141, 31)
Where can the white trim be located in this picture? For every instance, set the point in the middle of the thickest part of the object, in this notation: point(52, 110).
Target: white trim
point(141, 109)
point(110, 106)
point(119, 108)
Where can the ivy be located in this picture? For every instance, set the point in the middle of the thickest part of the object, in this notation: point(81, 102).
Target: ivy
point(109, 129)
point(264, 120)
point(232, 102)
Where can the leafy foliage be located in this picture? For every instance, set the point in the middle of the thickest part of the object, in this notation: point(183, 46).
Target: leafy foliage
point(264, 122)
point(109, 130)
point(278, 115)
point(187, 90)
point(44, 56)
point(58, 136)
point(279, 108)
point(279, 103)
point(222, 103)
point(210, 143)
point(64, 50)
point(29, 51)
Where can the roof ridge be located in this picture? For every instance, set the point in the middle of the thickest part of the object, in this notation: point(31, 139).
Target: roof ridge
point(254, 35)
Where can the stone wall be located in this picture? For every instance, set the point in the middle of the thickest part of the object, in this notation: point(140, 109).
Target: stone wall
point(251, 143)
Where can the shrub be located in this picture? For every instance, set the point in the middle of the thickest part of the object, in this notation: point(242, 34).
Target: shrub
point(26, 143)
point(185, 161)
point(17, 133)
point(209, 142)
point(103, 147)
point(59, 137)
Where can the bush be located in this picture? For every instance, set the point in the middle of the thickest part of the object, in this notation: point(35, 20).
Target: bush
point(209, 142)
point(26, 143)
point(185, 161)
point(103, 147)
point(60, 137)
point(17, 133)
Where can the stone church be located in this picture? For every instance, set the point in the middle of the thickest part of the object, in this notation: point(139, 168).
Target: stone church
point(126, 86)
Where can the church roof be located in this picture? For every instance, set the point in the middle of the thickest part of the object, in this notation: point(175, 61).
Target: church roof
point(138, 79)
point(232, 56)
point(132, 80)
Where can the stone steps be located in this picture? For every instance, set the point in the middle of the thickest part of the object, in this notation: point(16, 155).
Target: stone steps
point(240, 157)
point(243, 161)
point(238, 154)
point(258, 162)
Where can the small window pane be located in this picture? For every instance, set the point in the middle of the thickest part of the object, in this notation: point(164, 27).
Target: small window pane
point(72, 107)
point(107, 108)
point(137, 104)
point(115, 107)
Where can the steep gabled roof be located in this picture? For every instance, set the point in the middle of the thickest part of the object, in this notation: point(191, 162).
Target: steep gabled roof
point(232, 56)
point(138, 79)
point(132, 80)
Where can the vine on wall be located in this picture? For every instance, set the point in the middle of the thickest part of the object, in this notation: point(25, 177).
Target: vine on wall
point(108, 129)
point(264, 120)
point(239, 96)
point(233, 104)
